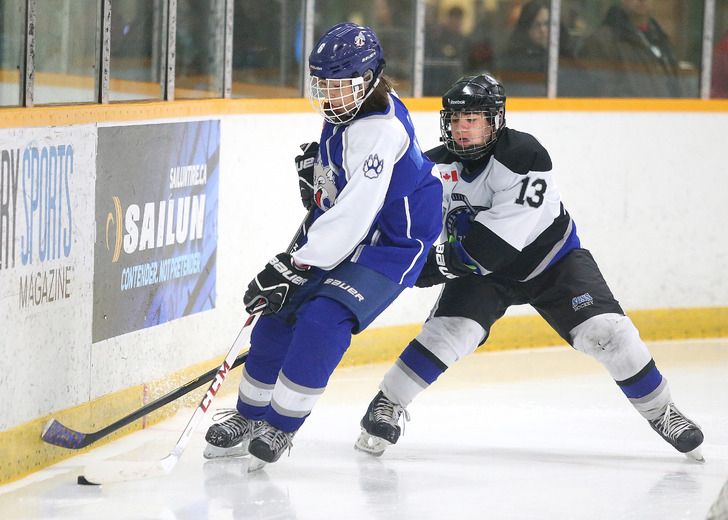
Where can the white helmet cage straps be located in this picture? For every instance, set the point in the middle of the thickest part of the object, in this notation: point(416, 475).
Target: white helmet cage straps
point(484, 143)
point(339, 100)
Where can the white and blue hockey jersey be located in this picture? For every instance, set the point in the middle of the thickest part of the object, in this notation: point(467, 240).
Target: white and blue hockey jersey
point(506, 208)
point(382, 197)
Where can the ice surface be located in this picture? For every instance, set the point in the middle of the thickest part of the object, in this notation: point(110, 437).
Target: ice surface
point(536, 434)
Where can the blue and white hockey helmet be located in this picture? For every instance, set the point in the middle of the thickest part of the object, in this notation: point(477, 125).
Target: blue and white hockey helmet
point(346, 50)
point(345, 66)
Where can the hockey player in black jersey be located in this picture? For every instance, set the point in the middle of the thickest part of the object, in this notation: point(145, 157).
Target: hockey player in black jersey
point(508, 240)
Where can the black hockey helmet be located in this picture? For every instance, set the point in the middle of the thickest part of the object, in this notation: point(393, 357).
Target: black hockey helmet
point(482, 94)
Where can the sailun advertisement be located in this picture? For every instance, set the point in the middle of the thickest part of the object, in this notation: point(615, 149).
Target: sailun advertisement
point(156, 218)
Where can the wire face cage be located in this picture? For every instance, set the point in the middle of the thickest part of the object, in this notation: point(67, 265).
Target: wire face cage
point(469, 134)
point(337, 100)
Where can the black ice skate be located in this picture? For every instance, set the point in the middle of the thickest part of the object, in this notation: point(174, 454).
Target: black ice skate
point(682, 433)
point(267, 445)
point(230, 436)
point(379, 426)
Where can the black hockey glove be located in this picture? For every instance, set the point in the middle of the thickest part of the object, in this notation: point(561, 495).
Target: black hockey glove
point(445, 262)
point(274, 284)
point(304, 166)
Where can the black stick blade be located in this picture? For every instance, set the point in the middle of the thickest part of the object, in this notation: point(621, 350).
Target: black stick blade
point(81, 480)
point(59, 435)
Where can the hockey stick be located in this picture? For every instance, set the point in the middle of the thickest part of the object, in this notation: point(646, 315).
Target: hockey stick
point(58, 434)
point(108, 471)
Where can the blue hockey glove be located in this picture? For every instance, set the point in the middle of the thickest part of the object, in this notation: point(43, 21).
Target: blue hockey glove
point(446, 261)
point(304, 166)
point(270, 289)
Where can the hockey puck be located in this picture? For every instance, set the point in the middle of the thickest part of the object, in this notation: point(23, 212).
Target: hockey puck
point(83, 482)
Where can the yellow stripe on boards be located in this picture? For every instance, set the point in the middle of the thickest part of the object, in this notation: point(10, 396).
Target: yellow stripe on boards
point(513, 332)
point(144, 111)
point(77, 114)
point(23, 452)
point(428, 104)
point(615, 105)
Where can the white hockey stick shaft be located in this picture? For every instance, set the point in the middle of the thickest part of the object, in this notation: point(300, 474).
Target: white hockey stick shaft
point(240, 342)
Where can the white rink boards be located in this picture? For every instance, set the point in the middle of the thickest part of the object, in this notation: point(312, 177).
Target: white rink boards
point(537, 434)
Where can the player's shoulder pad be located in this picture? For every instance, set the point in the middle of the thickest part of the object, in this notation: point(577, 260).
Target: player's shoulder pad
point(521, 152)
point(441, 155)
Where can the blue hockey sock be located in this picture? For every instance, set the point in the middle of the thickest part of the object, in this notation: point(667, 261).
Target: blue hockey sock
point(642, 383)
point(422, 362)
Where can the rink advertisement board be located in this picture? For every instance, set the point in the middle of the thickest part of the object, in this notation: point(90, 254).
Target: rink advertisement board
point(156, 224)
point(46, 232)
point(46, 263)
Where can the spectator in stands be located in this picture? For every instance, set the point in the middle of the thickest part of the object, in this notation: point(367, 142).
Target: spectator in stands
point(255, 50)
point(386, 18)
point(481, 42)
point(719, 76)
point(630, 55)
point(527, 48)
point(524, 63)
point(445, 49)
point(448, 39)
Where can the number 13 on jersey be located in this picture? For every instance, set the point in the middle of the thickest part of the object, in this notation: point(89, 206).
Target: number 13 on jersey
point(533, 197)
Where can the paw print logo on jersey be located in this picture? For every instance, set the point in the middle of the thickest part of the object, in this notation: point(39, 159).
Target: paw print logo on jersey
point(373, 166)
point(324, 187)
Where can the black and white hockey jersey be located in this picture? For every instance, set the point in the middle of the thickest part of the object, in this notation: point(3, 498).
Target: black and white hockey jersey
point(506, 208)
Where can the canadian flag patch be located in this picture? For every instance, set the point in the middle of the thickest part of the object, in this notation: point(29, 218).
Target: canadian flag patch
point(451, 175)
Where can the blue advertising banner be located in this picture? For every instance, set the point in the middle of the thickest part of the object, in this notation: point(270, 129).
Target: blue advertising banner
point(156, 218)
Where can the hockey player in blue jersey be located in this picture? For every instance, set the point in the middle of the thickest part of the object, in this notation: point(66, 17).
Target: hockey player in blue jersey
point(379, 203)
point(509, 241)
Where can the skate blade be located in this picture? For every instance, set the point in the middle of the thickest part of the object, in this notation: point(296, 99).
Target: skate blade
point(696, 455)
point(371, 444)
point(255, 464)
point(214, 452)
